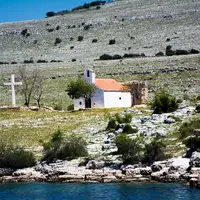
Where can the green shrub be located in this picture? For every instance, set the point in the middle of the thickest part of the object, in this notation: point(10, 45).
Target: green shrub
point(73, 147)
point(119, 118)
point(179, 100)
point(59, 148)
point(154, 151)
point(128, 118)
point(193, 143)
point(128, 129)
point(57, 41)
point(15, 157)
point(58, 106)
point(198, 98)
point(112, 124)
point(187, 128)
point(129, 148)
point(70, 107)
point(164, 103)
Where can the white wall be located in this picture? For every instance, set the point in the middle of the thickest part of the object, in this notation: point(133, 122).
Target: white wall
point(98, 99)
point(117, 99)
point(79, 103)
point(103, 99)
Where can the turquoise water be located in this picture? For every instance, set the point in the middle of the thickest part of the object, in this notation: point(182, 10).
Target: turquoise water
point(44, 191)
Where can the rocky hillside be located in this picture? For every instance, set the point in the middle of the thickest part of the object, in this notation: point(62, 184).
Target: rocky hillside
point(63, 46)
point(136, 26)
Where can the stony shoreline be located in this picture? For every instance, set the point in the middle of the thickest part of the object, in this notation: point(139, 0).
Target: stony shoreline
point(175, 170)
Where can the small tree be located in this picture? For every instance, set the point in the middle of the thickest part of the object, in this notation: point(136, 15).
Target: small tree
point(164, 103)
point(138, 89)
point(32, 85)
point(15, 157)
point(129, 148)
point(154, 151)
point(72, 146)
point(80, 88)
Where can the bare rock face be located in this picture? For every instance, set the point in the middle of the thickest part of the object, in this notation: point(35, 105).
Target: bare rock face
point(198, 108)
point(6, 171)
point(195, 159)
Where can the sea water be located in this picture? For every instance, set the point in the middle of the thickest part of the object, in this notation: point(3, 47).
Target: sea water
point(133, 191)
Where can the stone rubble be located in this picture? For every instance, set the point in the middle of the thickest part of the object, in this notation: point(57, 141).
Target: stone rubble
point(178, 169)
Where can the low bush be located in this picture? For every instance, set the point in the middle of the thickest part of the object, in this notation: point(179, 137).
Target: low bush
point(193, 143)
point(154, 151)
point(42, 61)
point(57, 41)
point(194, 51)
point(169, 51)
point(28, 61)
point(160, 53)
point(112, 124)
point(50, 14)
point(181, 52)
point(80, 38)
point(128, 117)
point(15, 157)
point(24, 32)
point(94, 41)
point(73, 147)
point(131, 55)
point(58, 106)
point(129, 148)
point(70, 107)
point(187, 128)
point(111, 42)
point(116, 56)
point(50, 30)
point(179, 100)
point(86, 27)
point(164, 103)
point(89, 5)
point(105, 57)
point(119, 119)
point(129, 129)
point(57, 28)
point(198, 98)
point(59, 147)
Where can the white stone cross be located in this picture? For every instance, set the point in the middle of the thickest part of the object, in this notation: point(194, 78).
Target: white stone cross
point(12, 84)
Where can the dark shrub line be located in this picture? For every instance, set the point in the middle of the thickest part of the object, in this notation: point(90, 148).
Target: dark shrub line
point(130, 55)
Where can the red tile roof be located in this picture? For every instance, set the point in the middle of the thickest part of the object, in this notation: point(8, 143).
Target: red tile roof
point(109, 85)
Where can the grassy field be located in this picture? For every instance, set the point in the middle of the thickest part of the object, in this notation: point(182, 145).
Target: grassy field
point(27, 128)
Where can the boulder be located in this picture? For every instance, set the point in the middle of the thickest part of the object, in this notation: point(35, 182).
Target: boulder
point(27, 172)
point(156, 167)
point(169, 121)
point(157, 176)
point(93, 164)
point(198, 108)
point(196, 132)
point(195, 159)
point(146, 171)
point(195, 170)
point(6, 171)
point(179, 164)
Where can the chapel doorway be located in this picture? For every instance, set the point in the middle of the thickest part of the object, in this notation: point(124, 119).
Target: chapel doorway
point(88, 103)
